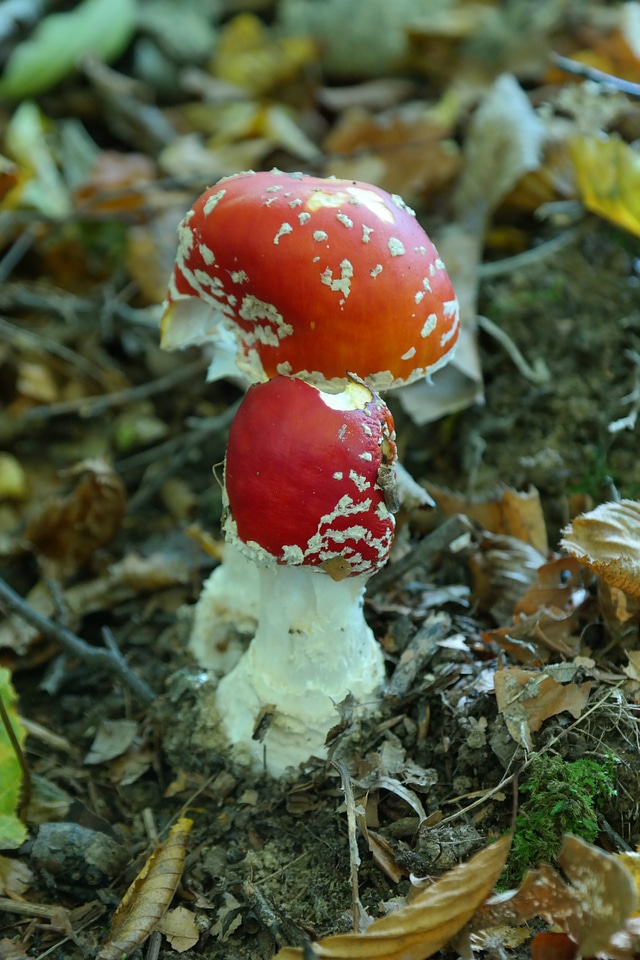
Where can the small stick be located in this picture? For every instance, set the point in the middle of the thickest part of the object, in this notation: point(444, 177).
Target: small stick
point(110, 660)
point(96, 406)
point(424, 552)
point(592, 73)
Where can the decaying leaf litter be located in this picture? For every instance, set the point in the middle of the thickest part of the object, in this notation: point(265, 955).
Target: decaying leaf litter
point(503, 645)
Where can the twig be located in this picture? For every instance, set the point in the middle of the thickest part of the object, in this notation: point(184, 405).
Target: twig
point(16, 251)
point(160, 470)
point(110, 660)
point(49, 299)
point(424, 553)
point(496, 268)
point(598, 76)
point(20, 335)
point(96, 406)
point(538, 374)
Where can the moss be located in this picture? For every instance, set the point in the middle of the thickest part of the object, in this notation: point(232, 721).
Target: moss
point(562, 798)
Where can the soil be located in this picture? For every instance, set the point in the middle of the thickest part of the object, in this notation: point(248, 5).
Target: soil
point(268, 862)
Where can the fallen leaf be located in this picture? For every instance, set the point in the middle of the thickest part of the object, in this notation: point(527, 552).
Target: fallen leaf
point(593, 906)
point(422, 927)
point(15, 877)
point(100, 27)
point(527, 698)
point(511, 512)
point(112, 739)
point(70, 529)
point(148, 898)
point(607, 539)
point(180, 928)
point(608, 175)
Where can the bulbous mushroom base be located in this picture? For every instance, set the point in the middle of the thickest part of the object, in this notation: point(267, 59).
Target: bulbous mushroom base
point(312, 648)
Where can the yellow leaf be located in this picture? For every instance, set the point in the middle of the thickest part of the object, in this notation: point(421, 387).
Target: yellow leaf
point(422, 927)
point(148, 898)
point(608, 175)
point(12, 831)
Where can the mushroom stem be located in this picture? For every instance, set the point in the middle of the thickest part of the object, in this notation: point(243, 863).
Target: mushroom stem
point(312, 648)
point(226, 612)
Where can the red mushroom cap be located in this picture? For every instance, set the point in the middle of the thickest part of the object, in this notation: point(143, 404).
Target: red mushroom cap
point(306, 476)
point(312, 277)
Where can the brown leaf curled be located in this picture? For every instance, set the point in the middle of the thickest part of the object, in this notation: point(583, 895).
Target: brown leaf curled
point(70, 529)
point(607, 539)
point(148, 898)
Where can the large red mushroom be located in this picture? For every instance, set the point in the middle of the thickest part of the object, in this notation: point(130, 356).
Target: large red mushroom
point(308, 490)
point(310, 277)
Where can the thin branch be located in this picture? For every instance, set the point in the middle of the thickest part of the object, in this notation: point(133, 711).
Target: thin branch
point(598, 76)
point(110, 660)
point(423, 554)
point(496, 268)
point(96, 406)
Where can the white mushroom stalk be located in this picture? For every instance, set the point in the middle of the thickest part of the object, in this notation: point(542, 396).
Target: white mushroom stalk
point(308, 479)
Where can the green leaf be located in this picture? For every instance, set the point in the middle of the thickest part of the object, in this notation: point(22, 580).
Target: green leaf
point(101, 27)
point(12, 831)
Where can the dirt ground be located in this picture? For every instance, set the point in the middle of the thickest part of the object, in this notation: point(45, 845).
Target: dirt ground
point(268, 862)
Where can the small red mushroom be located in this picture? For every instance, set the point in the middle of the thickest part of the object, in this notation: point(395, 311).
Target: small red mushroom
point(311, 277)
point(308, 483)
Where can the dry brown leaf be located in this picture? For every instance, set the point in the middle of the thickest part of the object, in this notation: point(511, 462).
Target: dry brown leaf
point(607, 539)
point(591, 908)
point(405, 150)
point(180, 928)
point(70, 529)
point(526, 698)
point(148, 898)
point(116, 183)
point(547, 616)
point(15, 877)
point(417, 930)
point(508, 511)
point(504, 142)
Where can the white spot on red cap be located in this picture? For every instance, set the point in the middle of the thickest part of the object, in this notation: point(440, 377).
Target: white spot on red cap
point(399, 202)
point(239, 276)
point(213, 202)
point(366, 233)
point(429, 325)
point(344, 220)
point(396, 247)
point(376, 270)
point(343, 283)
point(207, 254)
point(304, 217)
point(320, 235)
point(284, 230)
point(409, 355)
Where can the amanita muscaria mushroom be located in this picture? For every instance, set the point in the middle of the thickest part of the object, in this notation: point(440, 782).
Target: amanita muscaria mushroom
point(310, 277)
point(308, 486)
